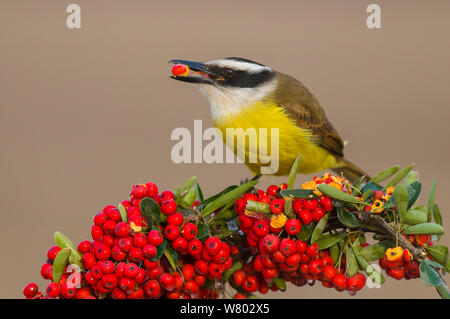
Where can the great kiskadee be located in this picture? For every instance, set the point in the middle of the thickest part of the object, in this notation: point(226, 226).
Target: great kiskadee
point(246, 94)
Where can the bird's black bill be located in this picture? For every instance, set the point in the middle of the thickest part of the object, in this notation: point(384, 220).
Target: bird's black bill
point(198, 73)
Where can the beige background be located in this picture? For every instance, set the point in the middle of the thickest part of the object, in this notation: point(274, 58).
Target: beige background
point(86, 113)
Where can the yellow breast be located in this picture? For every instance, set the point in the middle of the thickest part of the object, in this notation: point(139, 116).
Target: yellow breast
point(293, 140)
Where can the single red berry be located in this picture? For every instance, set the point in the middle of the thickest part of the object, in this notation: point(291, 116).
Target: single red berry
point(52, 252)
point(167, 281)
point(213, 245)
point(109, 227)
point(152, 190)
point(293, 226)
point(30, 290)
point(306, 216)
point(272, 190)
point(288, 247)
point(109, 281)
point(139, 240)
point(155, 237)
point(180, 244)
point(122, 230)
point(152, 289)
point(149, 251)
point(234, 250)
point(201, 267)
point(172, 232)
point(88, 260)
point(102, 252)
point(340, 282)
point(239, 206)
point(326, 203)
point(297, 205)
point(315, 267)
point(278, 257)
point(245, 222)
point(261, 228)
point(168, 207)
point(44, 268)
point(191, 287)
point(277, 205)
point(107, 207)
point(311, 204)
point(117, 254)
point(270, 273)
point(67, 291)
point(313, 250)
point(195, 247)
point(100, 218)
point(189, 231)
point(107, 267)
point(250, 283)
point(118, 293)
point(139, 191)
point(271, 243)
point(396, 273)
point(239, 277)
point(53, 290)
point(131, 270)
point(329, 272)
point(301, 246)
point(293, 259)
point(114, 215)
point(136, 255)
point(175, 219)
point(318, 213)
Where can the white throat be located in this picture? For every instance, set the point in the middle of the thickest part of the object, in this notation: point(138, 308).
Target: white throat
point(226, 101)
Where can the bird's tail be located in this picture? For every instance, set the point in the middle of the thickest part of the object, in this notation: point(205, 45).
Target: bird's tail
point(350, 171)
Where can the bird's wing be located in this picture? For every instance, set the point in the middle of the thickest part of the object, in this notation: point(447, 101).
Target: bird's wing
point(303, 108)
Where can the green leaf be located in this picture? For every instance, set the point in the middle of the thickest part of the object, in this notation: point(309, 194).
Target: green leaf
point(150, 210)
point(347, 218)
point(319, 228)
point(414, 217)
point(172, 257)
point(294, 171)
point(280, 282)
point(209, 200)
point(306, 231)
point(258, 207)
point(60, 262)
point(297, 193)
point(375, 251)
point(429, 275)
point(384, 175)
point(186, 186)
point(443, 290)
point(431, 197)
point(160, 251)
point(202, 230)
point(438, 253)
point(231, 196)
point(401, 199)
point(352, 266)
point(190, 197)
point(413, 193)
point(199, 192)
point(335, 252)
point(337, 194)
point(412, 177)
point(329, 240)
point(226, 215)
point(65, 242)
point(123, 212)
point(400, 175)
point(425, 228)
point(437, 214)
point(359, 181)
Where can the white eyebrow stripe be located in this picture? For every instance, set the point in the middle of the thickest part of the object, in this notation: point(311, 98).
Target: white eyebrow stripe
point(239, 65)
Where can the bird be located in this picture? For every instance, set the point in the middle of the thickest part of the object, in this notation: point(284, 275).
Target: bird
point(246, 94)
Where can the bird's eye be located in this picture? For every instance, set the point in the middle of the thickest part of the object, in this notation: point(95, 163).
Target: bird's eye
point(229, 72)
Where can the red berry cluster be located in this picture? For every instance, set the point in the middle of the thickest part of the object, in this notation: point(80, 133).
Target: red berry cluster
point(288, 257)
point(122, 260)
